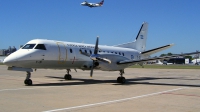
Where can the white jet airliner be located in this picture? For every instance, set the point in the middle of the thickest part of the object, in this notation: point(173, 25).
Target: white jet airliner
point(92, 4)
point(52, 54)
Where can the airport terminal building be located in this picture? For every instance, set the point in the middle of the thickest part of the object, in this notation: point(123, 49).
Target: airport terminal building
point(6, 52)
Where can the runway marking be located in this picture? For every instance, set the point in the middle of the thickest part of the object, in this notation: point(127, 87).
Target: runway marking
point(182, 94)
point(2, 90)
point(17, 89)
point(115, 101)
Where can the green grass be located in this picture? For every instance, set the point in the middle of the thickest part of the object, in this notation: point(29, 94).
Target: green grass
point(168, 66)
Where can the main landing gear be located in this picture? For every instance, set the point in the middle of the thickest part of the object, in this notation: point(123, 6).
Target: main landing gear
point(68, 76)
point(121, 79)
point(28, 81)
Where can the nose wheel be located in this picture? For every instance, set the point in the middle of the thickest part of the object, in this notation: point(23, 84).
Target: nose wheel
point(28, 81)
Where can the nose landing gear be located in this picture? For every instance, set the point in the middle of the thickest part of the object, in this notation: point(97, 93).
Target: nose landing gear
point(28, 81)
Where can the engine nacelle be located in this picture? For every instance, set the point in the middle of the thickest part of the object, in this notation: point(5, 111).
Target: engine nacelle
point(96, 63)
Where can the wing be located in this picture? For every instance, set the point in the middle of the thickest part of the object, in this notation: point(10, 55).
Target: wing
point(88, 4)
point(131, 62)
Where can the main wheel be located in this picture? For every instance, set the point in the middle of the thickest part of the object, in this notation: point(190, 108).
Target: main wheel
point(119, 79)
point(28, 82)
point(68, 77)
point(123, 80)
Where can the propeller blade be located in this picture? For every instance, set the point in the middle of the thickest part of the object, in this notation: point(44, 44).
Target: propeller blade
point(96, 46)
point(103, 60)
point(93, 56)
point(91, 72)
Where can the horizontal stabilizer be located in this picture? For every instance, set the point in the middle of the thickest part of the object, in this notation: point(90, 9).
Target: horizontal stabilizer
point(153, 51)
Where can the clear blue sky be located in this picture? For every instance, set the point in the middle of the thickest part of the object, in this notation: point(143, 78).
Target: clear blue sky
point(118, 21)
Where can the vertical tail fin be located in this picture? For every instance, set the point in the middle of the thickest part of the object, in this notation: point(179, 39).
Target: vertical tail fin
point(101, 3)
point(140, 41)
point(141, 38)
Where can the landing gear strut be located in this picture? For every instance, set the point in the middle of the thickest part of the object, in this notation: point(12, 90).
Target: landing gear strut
point(121, 79)
point(28, 81)
point(68, 76)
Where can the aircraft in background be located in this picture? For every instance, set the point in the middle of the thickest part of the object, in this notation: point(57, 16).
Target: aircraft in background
point(85, 3)
point(196, 61)
point(52, 54)
point(159, 62)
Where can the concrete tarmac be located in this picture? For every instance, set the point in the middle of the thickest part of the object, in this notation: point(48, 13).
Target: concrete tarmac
point(146, 90)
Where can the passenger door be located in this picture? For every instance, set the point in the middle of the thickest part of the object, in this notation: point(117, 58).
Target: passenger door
point(62, 52)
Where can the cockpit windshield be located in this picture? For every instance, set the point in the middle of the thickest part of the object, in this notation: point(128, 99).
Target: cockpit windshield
point(29, 46)
point(41, 47)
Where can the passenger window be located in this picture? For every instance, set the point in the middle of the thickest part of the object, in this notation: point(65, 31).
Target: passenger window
point(132, 57)
point(123, 54)
point(29, 46)
point(85, 51)
point(119, 53)
point(40, 46)
point(71, 51)
point(90, 52)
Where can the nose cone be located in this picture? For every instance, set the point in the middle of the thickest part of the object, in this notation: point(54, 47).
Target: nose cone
point(83, 3)
point(10, 60)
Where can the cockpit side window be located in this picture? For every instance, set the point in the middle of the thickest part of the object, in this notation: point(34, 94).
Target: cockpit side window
point(40, 46)
point(29, 46)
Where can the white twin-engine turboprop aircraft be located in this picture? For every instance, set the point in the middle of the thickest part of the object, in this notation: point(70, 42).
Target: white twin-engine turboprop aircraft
point(51, 54)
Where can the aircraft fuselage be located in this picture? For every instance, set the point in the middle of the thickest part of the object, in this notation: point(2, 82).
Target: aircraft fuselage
point(66, 55)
